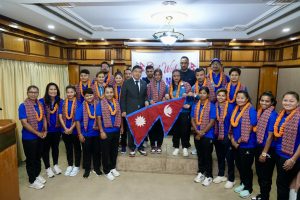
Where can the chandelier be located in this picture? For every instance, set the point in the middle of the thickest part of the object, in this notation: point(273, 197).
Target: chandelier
point(169, 36)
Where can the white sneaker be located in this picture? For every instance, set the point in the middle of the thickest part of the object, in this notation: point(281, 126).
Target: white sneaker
point(68, 171)
point(207, 181)
point(110, 176)
point(115, 173)
point(49, 173)
point(175, 152)
point(229, 185)
point(185, 152)
point(41, 179)
point(194, 152)
point(219, 179)
point(57, 170)
point(74, 171)
point(199, 178)
point(36, 185)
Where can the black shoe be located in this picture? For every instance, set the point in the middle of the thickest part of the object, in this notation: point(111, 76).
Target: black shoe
point(142, 152)
point(98, 172)
point(86, 173)
point(258, 197)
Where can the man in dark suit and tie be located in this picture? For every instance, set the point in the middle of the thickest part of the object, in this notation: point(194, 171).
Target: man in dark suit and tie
point(133, 98)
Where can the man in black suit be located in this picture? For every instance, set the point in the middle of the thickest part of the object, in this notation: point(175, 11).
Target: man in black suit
point(134, 97)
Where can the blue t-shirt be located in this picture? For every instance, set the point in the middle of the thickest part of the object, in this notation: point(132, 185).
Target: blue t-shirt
point(231, 93)
point(68, 122)
point(278, 142)
point(79, 117)
point(270, 128)
point(51, 126)
point(188, 100)
point(237, 130)
point(84, 87)
point(226, 120)
point(27, 135)
point(212, 115)
point(112, 118)
point(216, 79)
point(119, 92)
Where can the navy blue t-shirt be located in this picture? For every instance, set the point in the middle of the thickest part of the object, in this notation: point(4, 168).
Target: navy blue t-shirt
point(112, 118)
point(51, 126)
point(68, 122)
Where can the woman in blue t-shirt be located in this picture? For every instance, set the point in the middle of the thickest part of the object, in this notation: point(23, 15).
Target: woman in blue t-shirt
point(243, 119)
point(66, 113)
point(287, 147)
point(203, 117)
point(265, 152)
point(31, 115)
point(51, 103)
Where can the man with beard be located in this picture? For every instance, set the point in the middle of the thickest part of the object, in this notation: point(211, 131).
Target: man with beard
point(149, 73)
point(187, 74)
point(105, 68)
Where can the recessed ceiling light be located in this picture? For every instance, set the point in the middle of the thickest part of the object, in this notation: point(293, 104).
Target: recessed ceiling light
point(80, 38)
point(14, 25)
point(285, 30)
point(50, 26)
point(237, 47)
point(52, 37)
point(259, 39)
point(293, 38)
point(102, 39)
point(233, 39)
point(2, 29)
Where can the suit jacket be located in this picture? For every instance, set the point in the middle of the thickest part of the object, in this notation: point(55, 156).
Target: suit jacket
point(130, 99)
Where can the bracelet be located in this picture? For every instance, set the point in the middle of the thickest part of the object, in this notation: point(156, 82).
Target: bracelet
point(291, 159)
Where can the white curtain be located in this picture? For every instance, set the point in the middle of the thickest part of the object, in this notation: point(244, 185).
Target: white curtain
point(16, 76)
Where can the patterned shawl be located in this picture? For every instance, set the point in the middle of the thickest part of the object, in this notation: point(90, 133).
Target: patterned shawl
point(31, 112)
point(106, 114)
point(219, 126)
point(262, 123)
point(86, 116)
point(152, 91)
point(205, 117)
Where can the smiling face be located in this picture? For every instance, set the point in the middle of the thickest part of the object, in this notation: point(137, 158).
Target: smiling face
point(89, 98)
point(109, 93)
point(84, 77)
point(241, 99)
point(221, 97)
point(289, 102)
point(157, 76)
point(33, 94)
point(70, 93)
point(200, 76)
point(52, 91)
point(265, 102)
point(137, 73)
point(203, 95)
point(119, 79)
point(100, 78)
point(176, 77)
point(234, 77)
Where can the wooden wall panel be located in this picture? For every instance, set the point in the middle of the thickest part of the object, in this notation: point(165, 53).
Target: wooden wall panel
point(78, 54)
point(54, 51)
point(13, 43)
point(268, 79)
point(298, 55)
point(127, 54)
point(37, 47)
point(95, 54)
point(73, 73)
point(288, 53)
point(261, 55)
point(242, 55)
point(209, 54)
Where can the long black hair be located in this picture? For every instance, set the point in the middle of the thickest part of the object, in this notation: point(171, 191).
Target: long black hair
point(271, 96)
point(173, 83)
point(245, 93)
point(48, 98)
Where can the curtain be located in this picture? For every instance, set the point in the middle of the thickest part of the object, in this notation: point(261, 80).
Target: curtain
point(16, 76)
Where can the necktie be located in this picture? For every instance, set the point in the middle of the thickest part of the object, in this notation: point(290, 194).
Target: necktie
point(137, 86)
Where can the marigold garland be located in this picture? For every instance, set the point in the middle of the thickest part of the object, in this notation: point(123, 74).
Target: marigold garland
point(212, 80)
point(80, 86)
point(72, 108)
point(199, 120)
point(89, 111)
point(97, 90)
point(235, 92)
point(113, 112)
point(39, 118)
point(197, 86)
point(279, 118)
point(233, 122)
point(116, 91)
point(54, 109)
point(225, 112)
point(177, 92)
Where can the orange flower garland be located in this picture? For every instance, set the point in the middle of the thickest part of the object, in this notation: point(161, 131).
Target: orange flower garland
point(39, 118)
point(233, 122)
point(89, 111)
point(236, 90)
point(54, 109)
point(197, 86)
point(108, 79)
point(113, 112)
point(80, 86)
point(212, 80)
point(225, 112)
point(72, 108)
point(279, 118)
point(116, 91)
point(199, 120)
point(177, 92)
point(97, 90)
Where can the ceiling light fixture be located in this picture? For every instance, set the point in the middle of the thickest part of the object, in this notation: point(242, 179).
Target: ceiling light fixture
point(169, 36)
point(14, 25)
point(285, 30)
point(52, 37)
point(80, 38)
point(50, 26)
point(293, 38)
point(233, 40)
point(259, 39)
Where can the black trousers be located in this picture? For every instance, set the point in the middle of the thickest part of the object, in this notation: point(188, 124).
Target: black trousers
point(72, 144)
point(264, 171)
point(204, 148)
point(224, 152)
point(91, 150)
point(33, 151)
point(156, 134)
point(109, 148)
point(244, 160)
point(124, 135)
point(284, 178)
point(51, 141)
point(131, 144)
point(181, 131)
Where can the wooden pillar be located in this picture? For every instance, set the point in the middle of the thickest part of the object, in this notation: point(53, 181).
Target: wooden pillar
point(73, 69)
point(268, 79)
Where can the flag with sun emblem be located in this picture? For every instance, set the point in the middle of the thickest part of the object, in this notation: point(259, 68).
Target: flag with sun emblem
point(141, 121)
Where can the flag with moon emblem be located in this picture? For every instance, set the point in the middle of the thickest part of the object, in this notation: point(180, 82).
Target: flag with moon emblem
point(141, 121)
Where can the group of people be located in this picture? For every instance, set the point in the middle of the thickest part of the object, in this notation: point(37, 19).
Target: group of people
point(218, 108)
